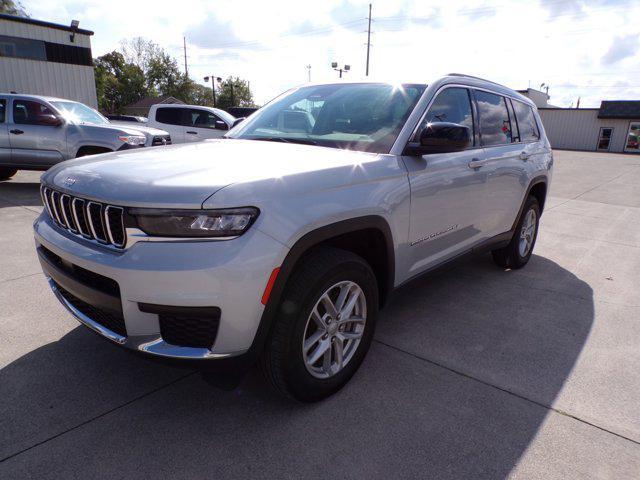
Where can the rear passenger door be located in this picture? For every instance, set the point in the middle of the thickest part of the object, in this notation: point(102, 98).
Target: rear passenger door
point(447, 195)
point(504, 163)
point(171, 120)
point(5, 147)
point(202, 124)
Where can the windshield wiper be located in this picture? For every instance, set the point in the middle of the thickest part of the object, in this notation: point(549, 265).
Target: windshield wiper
point(303, 141)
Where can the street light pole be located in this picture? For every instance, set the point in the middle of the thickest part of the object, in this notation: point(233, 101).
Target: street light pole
point(344, 69)
point(213, 86)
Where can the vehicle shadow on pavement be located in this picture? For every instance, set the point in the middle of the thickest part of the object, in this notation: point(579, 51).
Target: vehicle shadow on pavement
point(20, 193)
point(456, 385)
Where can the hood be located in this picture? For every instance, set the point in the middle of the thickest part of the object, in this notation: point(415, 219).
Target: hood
point(141, 127)
point(185, 175)
point(117, 129)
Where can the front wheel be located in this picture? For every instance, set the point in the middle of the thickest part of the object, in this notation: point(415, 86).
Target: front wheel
point(517, 253)
point(324, 327)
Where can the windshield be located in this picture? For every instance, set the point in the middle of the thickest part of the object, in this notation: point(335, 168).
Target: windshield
point(79, 113)
point(361, 116)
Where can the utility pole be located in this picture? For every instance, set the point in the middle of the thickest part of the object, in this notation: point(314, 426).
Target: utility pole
point(308, 67)
point(186, 69)
point(368, 40)
point(231, 87)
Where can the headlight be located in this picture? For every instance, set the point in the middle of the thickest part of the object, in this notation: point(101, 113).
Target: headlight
point(133, 139)
point(195, 223)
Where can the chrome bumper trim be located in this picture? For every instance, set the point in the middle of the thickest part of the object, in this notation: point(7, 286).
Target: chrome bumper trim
point(95, 326)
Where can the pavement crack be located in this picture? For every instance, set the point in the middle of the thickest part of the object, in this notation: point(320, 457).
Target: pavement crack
point(20, 277)
point(505, 390)
point(103, 414)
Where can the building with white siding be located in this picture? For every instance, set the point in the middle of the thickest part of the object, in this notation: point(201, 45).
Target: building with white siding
point(614, 127)
point(42, 58)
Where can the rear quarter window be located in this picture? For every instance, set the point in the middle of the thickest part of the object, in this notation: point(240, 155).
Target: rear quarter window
point(529, 131)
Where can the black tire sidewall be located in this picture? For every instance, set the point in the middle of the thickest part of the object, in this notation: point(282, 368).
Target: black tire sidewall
point(302, 384)
point(532, 203)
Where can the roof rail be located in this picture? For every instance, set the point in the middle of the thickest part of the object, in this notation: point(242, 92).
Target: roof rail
point(476, 78)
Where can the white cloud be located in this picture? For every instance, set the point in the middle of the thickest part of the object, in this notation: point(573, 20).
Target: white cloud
point(269, 43)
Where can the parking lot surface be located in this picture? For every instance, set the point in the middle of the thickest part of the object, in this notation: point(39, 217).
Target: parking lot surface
point(475, 373)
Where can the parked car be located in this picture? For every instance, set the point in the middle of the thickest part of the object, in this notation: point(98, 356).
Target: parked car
point(37, 132)
point(190, 123)
point(126, 118)
point(280, 243)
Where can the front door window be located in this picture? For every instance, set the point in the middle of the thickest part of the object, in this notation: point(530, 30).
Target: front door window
point(604, 140)
point(633, 138)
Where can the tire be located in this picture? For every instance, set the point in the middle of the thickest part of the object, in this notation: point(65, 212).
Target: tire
point(6, 173)
point(283, 361)
point(515, 255)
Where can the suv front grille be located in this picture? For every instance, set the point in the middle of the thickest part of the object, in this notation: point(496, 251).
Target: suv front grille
point(161, 140)
point(91, 220)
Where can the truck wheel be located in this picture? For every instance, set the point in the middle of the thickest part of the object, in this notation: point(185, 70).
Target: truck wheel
point(324, 326)
point(517, 253)
point(7, 173)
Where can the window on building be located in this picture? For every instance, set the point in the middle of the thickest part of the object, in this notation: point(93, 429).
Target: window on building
point(30, 113)
point(18, 47)
point(604, 139)
point(22, 48)
point(170, 116)
point(3, 108)
point(633, 138)
point(495, 127)
point(526, 121)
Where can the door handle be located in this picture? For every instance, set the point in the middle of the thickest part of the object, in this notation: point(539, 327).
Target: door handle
point(15, 131)
point(192, 132)
point(524, 156)
point(476, 163)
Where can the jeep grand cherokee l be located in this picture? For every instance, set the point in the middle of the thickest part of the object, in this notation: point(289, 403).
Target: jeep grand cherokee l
point(280, 243)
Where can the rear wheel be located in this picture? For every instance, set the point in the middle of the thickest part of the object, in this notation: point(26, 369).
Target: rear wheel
point(325, 325)
point(517, 253)
point(7, 173)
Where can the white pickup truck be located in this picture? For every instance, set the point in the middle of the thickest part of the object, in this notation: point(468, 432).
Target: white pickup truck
point(190, 123)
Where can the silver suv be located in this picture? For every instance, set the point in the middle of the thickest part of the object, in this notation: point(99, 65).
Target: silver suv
point(280, 243)
point(37, 132)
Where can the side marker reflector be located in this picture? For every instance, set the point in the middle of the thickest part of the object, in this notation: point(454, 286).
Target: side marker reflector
point(269, 287)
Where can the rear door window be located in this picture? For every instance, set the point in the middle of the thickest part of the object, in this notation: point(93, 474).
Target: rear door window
point(3, 108)
point(495, 127)
point(170, 116)
point(526, 121)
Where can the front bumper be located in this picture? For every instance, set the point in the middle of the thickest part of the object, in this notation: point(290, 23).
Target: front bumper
point(228, 275)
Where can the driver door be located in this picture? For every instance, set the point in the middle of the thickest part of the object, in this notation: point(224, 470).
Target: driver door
point(447, 193)
point(34, 142)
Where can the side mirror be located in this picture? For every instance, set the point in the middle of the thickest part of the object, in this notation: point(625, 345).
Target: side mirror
point(48, 119)
point(440, 137)
point(220, 125)
point(237, 121)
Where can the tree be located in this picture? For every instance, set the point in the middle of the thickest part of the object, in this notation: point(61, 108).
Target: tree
point(234, 92)
point(140, 51)
point(118, 83)
point(12, 7)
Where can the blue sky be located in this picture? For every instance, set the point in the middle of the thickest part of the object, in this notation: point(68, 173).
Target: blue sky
point(581, 48)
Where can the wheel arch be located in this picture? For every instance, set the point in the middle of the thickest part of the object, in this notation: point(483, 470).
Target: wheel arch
point(379, 252)
point(538, 187)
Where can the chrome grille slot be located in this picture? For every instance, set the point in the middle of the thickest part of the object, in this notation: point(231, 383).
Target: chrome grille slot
point(94, 214)
point(115, 227)
point(77, 205)
point(91, 220)
point(54, 199)
point(65, 204)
